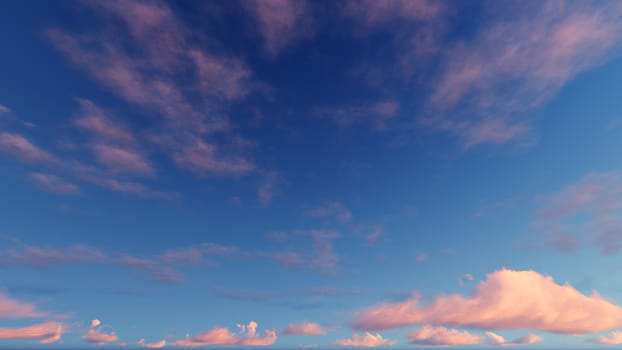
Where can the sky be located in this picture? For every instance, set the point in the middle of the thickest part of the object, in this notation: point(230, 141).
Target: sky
point(310, 174)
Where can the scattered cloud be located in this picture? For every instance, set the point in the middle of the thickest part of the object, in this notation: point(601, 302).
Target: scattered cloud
point(335, 210)
point(497, 340)
point(368, 340)
point(53, 184)
point(222, 336)
point(21, 148)
point(377, 115)
point(95, 335)
point(613, 338)
point(4, 109)
point(441, 336)
point(587, 211)
point(158, 271)
point(307, 328)
point(14, 309)
point(501, 302)
point(46, 333)
point(48, 257)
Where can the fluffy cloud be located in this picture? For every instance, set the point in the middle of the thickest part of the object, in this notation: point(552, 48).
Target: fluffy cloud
point(497, 340)
point(502, 302)
point(441, 336)
point(96, 336)
point(613, 338)
point(306, 328)
point(47, 333)
point(222, 336)
point(368, 340)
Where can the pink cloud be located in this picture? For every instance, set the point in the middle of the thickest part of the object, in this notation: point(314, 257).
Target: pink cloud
point(306, 328)
point(4, 109)
point(613, 338)
point(228, 79)
point(222, 336)
point(157, 270)
point(95, 120)
point(281, 22)
point(494, 78)
point(267, 188)
point(156, 345)
point(96, 336)
point(368, 340)
point(46, 257)
point(47, 333)
point(202, 158)
point(121, 160)
point(53, 184)
point(441, 336)
point(10, 308)
point(497, 340)
point(377, 12)
point(18, 146)
point(585, 211)
point(502, 302)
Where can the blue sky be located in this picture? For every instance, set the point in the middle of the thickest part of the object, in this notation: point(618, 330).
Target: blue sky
point(310, 174)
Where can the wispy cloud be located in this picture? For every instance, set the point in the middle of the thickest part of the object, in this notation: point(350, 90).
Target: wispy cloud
point(376, 115)
point(281, 22)
point(4, 109)
point(46, 333)
point(20, 147)
point(335, 210)
point(584, 212)
point(10, 308)
point(502, 302)
point(367, 340)
point(47, 256)
point(53, 184)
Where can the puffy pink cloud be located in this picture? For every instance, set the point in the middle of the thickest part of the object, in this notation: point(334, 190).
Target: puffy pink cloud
point(10, 308)
point(281, 22)
point(502, 302)
point(368, 340)
point(53, 184)
point(222, 336)
point(20, 147)
point(497, 340)
point(306, 328)
point(96, 336)
point(156, 345)
point(46, 333)
point(441, 336)
point(613, 338)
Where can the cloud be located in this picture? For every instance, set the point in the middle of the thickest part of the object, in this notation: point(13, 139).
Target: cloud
point(497, 340)
point(380, 12)
point(120, 160)
point(334, 210)
point(4, 109)
point(10, 308)
point(613, 338)
point(46, 333)
point(158, 271)
point(490, 78)
point(156, 345)
point(95, 120)
point(281, 22)
point(502, 302)
point(441, 336)
point(368, 340)
point(53, 184)
point(96, 336)
point(47, 257)
point(306, 328)
point(587, 211)
point(222, 336)
point(21, 148)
